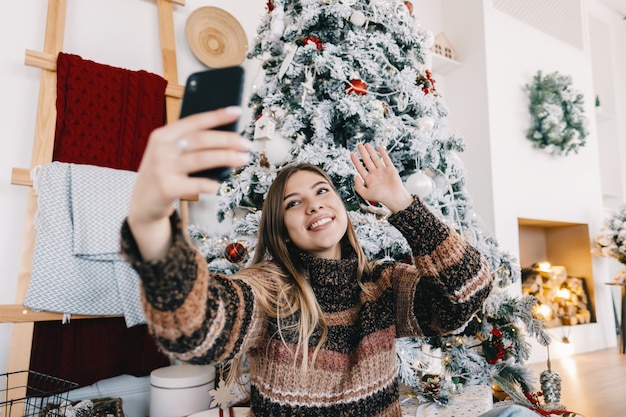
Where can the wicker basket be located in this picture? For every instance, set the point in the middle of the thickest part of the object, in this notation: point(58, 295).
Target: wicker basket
point(101, 407)
point(27, 393)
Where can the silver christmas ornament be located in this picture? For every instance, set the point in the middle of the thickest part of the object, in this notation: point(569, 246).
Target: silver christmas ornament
point(550, 386)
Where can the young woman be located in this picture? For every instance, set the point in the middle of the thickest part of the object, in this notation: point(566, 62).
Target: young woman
point(316, 320)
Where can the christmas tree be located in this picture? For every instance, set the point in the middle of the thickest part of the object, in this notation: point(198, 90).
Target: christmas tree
point(342, 72)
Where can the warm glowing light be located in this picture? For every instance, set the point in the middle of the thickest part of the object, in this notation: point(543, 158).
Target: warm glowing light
point(564, 293)
point(544, 311)
point(544, 266)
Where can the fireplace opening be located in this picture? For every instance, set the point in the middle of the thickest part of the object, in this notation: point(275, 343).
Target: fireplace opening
point(557, 269)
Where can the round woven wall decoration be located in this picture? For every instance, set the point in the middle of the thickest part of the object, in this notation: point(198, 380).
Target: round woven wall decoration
point(215, 37)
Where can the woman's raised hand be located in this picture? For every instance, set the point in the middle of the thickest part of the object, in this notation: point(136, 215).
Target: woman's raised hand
point(378, 179)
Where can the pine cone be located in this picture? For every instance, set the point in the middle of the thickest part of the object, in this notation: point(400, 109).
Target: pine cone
point(431, 388)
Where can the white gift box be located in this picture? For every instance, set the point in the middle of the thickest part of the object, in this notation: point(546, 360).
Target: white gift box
point(471, 402)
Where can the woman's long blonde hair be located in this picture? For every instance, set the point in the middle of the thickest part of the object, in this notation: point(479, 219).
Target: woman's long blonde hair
point(290, 291)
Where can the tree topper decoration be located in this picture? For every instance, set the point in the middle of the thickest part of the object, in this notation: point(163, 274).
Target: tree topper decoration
point(558, 120)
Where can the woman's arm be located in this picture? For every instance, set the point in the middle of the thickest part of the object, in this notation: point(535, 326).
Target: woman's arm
point(193, 315)
point(450, 279)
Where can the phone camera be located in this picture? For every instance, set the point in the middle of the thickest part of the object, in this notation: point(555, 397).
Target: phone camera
point(193, 84)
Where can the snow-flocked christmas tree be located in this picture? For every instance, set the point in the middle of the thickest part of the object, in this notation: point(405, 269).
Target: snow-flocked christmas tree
point(340, 72)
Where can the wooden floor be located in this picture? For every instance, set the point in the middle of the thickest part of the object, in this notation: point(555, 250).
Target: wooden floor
point(593, 384)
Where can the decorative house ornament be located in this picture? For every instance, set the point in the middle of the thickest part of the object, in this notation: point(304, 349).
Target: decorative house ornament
point(443, 47)
point(557, 112)
point(264, 127)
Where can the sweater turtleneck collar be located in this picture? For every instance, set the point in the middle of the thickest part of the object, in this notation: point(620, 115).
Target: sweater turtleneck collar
point(337, 274)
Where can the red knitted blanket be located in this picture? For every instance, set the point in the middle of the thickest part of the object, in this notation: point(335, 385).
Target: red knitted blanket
point(105, 114)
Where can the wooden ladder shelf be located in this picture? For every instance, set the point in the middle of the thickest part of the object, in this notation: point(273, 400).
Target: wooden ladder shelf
point(23, 318)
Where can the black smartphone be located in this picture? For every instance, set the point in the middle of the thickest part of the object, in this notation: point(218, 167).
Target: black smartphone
point(210, 90)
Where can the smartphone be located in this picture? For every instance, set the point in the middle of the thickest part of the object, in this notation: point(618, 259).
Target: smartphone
point(210, 90)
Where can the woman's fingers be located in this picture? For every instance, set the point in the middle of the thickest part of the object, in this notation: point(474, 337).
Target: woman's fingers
point(368, 156)
point(213, 158)
point(358, 165)
point(202, 121)
point(189, 145)
point(208, 140)
point(370, 159)
point(385, 156)
point(185, 146)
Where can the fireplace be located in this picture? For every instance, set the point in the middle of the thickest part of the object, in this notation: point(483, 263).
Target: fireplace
point(557, 269)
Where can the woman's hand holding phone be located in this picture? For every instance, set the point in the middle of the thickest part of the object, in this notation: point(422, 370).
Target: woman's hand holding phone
point(189, 156)
point(163, 175)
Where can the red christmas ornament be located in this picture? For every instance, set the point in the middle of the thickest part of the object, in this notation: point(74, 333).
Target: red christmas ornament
point(270, 6)
point(496, 332)
point(318, 43)
point(357, 87)
point(235, 252)
point(427, 82)
point(495, 347)
point(409, 6)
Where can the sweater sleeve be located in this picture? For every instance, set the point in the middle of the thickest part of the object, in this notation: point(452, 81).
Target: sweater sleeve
point(448, 282)
point(193, 315)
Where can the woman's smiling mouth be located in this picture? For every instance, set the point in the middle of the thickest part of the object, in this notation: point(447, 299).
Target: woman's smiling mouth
point(320, 222)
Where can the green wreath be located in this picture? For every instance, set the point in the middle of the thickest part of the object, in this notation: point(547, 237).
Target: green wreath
point(558, 120)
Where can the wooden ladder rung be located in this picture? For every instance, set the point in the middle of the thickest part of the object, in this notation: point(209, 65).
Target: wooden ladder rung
point(16, 313)
point(48, 62)
point(21, 176)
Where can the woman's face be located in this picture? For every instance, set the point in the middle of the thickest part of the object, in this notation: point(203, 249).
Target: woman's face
point(315, 217)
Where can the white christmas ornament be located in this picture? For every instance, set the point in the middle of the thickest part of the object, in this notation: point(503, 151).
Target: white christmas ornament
point(402, 101)
point(277, 27)
point(358, 18)
point(291, 53)
point(277, 149)
point(426, 124)
point(419, 184)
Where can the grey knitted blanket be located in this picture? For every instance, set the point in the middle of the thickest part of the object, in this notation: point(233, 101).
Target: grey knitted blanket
point(77, 268)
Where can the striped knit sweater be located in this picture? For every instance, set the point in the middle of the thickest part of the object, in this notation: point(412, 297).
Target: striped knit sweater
point(200, 317)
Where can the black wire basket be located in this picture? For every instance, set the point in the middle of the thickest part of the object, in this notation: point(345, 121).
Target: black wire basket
point(28, 393)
